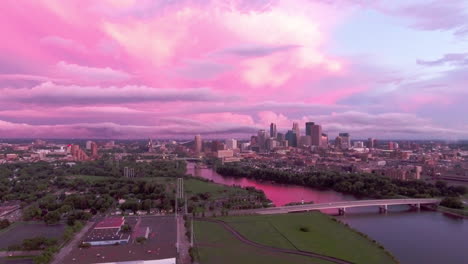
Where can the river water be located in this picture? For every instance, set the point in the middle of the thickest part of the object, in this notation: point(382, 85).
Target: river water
point(412, 236)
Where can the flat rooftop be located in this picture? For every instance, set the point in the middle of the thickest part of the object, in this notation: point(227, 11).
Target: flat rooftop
point(110, 223)
point(159, 246)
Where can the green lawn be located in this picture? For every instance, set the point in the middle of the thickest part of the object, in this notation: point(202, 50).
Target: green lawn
point(194, 186)
point(325, 236)
point(215, 245)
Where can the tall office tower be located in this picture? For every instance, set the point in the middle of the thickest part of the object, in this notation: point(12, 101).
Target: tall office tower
point(253, 140)
point(291, 137)
point(94, 150)
point(315, 132)
point(371, 143)
point(88, 144)
point(261, 138)
point(308, 127)
point(198, 144)
point(324, 140)
point(297, 130)
point(338, 142)
point(231, 143)
point(345, 140)
point(305, 141)
point(273, 132)
point(216, 145)
point(270, 144)
point(280, 136)
point(150, 145)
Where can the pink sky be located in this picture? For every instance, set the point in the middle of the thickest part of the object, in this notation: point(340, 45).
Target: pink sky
point(148, 68)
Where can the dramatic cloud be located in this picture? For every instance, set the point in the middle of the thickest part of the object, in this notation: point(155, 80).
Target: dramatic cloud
point(452, 58)
point(140, 68)
point(51, 93)
point(91, 73)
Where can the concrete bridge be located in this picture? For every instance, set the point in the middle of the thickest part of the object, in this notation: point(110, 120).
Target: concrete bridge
point(342, 206)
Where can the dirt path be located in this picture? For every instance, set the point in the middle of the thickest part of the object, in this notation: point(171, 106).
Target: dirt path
point(274, 249)
point(59, 257)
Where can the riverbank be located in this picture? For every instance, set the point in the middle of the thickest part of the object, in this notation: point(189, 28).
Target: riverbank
point(463, 213)
point(310, 232)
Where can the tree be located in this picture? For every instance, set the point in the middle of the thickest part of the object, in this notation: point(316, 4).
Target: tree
point(452, 202)
point(52, 218)
point(141, 240)
point(126, 228)
point(31, 213)
point(4, 223)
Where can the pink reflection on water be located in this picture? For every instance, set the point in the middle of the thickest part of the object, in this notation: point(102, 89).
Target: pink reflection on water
point(279, 194)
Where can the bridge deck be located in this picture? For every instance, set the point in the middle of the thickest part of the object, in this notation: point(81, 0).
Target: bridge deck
point(343, 205)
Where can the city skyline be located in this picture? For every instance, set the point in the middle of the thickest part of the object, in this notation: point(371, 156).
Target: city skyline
point(226, 69)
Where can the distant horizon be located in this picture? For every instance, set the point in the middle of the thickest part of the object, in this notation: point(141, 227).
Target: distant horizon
point(210, 138)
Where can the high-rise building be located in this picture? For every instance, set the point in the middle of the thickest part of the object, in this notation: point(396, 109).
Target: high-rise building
point(297, 130)
point(308, 127)
point(392, 145)
point(261, 137)
point(291, 137)
point(253, 140)
point(231, 143)
point(324, 140)
point(358, 144)
point(150, 146)
point(88, 144)
point(338, 142)
point(280, 136)
point(94, 150)
point(216, 145)
point(315, 132)
point(273, 132)
point(77, 153)
point(198, 144)
point(345, 140)
point(371, 143)
point(271, 143)
point(305, 141)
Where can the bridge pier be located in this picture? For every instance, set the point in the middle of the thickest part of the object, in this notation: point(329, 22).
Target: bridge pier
point(342, 211)
point(383, 208)
point(416, 206)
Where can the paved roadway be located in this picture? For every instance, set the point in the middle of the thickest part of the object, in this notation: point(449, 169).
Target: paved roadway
point(182, 241)
point(60, 256)
point(338, 205)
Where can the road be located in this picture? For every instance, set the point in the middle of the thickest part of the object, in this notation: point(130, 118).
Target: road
point(274, 249)
point(337, 205)
point(183, 242)
point(60, 256)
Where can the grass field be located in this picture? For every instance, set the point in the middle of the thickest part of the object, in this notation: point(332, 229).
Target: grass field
point(215, 245)
point(194, 186)
point(324, 236)
point(23, 230)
